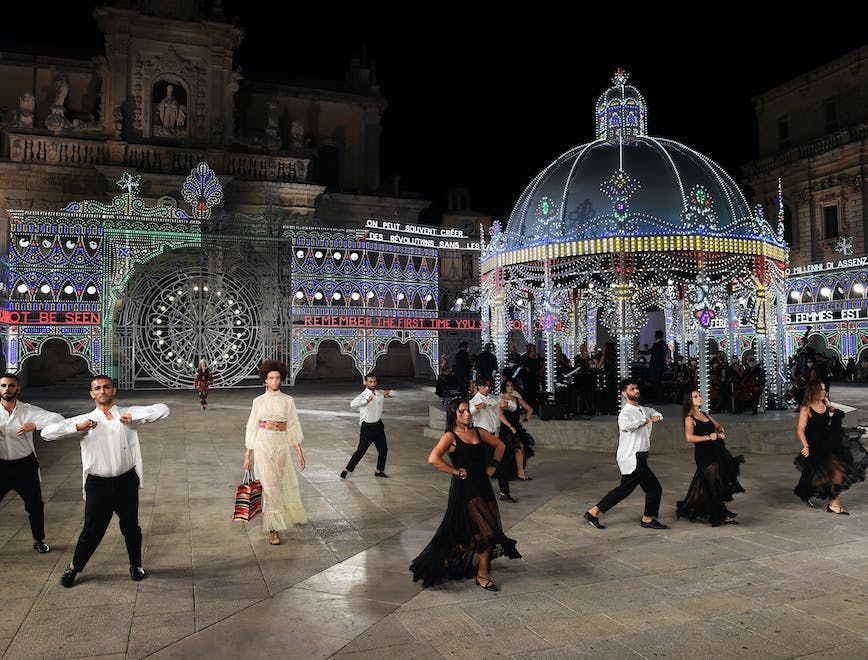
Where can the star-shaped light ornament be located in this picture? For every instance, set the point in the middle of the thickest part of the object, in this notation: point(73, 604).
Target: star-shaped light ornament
point(130, 182)
point(844, 245)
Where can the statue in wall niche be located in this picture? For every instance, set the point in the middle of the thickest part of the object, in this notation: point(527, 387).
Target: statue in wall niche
point(168, 109)
point(26, 110)
point(297, 134)
point(170, 113)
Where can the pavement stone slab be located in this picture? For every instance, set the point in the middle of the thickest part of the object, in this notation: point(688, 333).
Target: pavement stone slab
point(340, 585)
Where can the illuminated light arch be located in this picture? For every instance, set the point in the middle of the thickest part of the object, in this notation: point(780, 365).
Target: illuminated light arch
point(77, 347)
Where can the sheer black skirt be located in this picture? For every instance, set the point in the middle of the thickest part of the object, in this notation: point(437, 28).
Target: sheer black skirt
point(833, 467)
point(713, 485)
point(471, 525)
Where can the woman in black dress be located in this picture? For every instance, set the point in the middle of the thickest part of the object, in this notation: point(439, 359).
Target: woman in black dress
point(716, 477)
point(827, 464)
point(470, 535)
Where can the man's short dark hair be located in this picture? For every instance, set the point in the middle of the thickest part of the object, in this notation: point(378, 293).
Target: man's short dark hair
point(11, 375)
point(103, 377)
point(626, 382)
point(482, 382)
point(370, 375)
point(658, 334)
point(464, 344)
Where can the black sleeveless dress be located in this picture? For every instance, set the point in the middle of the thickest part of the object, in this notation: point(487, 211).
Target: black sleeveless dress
point(833, 461)
point(715, 480)
point(471, 523)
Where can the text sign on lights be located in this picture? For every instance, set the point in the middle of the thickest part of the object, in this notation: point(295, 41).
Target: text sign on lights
point(13, 317)
point(392, 323)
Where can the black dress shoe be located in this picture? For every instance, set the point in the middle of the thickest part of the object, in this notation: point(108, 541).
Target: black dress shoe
point(842, 512)
point(68, 577)
point(137, 573)
point(486, 584)
point(381, 474)
point(594, 521)
point(343, 474)
point(506, 497)
point(654, 524)
point(41, 547)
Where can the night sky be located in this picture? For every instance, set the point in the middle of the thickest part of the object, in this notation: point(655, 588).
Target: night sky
point(485, 102)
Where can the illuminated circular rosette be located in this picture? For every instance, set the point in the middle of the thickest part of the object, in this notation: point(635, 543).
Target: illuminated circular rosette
point(188, 315)
point(202, 191)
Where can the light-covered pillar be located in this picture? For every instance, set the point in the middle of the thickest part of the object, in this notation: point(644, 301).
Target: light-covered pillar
point(702, 357)
point(763, 351)
point(499, 333)
point(731, 324)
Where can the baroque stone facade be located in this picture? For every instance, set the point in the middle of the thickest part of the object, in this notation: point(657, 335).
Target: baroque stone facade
point(164, 96)
point(813, 135)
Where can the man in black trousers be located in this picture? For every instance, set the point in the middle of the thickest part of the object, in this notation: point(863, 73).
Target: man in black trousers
point(19, 469)
point(634, 441)
point(112, 466)
point(371, 431)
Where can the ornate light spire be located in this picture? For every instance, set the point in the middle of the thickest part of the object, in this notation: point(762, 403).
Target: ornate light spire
point(621, 111)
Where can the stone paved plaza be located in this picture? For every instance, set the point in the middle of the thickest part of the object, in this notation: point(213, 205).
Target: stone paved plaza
point(787, 582)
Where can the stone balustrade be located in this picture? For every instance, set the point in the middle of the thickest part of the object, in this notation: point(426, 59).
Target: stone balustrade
point(54, 150)
point(822, 145)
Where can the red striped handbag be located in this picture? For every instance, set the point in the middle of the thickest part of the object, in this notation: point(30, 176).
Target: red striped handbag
point(248, 499)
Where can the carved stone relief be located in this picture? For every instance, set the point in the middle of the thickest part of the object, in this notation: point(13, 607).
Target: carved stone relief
point(56, 120)
point(297, 134)
point(26, 111)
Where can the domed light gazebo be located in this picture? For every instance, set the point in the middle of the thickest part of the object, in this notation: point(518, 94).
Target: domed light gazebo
point(630, 223)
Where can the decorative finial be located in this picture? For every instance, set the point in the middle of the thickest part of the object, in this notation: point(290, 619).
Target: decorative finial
point(620, 77)
point(202, 191)
point(129, 182)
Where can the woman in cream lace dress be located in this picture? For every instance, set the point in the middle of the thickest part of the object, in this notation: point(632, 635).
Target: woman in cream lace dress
point(273, 430)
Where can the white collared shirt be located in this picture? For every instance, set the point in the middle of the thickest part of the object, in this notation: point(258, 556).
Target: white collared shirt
point(487, 418)
point(14, 446)
point(372, 411)
point(634, 434)
point(112, 448)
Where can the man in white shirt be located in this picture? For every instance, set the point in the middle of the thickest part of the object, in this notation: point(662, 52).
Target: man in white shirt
point(19, 469)
point(112, 469)
point(486, 411)
point(634, 441)
point(370, 406)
